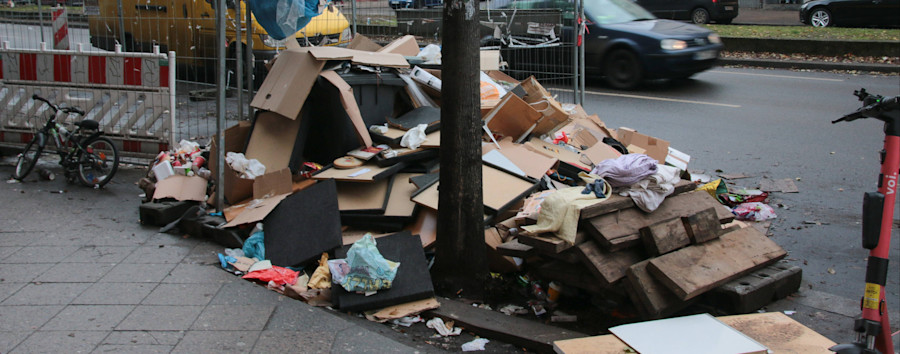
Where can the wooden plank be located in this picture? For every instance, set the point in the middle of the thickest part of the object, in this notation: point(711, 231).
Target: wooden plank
point(570, 255)
point(665, 237)
point(628, 222)
point(549, 244)
point(576, 275)
point(703, 226)
point(653, 297)
point(514, 248)
point(693, 270)
point(607, 267)
point(775, 330)
point(520, 332)
point(617, 202)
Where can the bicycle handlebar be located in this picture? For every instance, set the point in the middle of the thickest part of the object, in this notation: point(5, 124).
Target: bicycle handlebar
point(58, 108)
point(873, 107)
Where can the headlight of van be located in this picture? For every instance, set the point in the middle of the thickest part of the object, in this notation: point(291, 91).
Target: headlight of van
point(346, 35)
point(714, 38)
point(272, 42)
point(673, 44)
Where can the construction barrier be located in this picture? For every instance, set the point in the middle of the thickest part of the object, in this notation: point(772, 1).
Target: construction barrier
point(60, 28)
point(132, 95)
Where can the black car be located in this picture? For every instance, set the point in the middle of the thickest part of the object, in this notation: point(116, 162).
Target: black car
point(861, 13)
point(625, 44)
point(696, 11)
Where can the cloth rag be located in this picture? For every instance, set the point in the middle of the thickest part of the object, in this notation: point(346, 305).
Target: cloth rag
point(625, 170)
point(560, 212)
point(650, 192)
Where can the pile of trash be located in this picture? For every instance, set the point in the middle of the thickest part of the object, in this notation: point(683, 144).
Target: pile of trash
point(337, 175)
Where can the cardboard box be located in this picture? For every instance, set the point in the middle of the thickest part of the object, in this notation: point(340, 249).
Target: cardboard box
point(405, 46)
point(657, 149)
point(234, 187)
point(269, 189)
point(288, 83)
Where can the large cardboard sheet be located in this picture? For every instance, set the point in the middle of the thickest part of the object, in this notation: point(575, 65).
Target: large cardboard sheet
point(288, 83)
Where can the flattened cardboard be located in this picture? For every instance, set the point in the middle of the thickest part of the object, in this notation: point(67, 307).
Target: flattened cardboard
point(273, 140)
point(235, 188)
point(563, 155)
point(512, 117)
point(425, 227)
point(271, 184)
point(365, 198)
point(489, 60)
point(365, 173)
point(363, 43)
point(303, 226)
point(349, 102)
point(359, 57)
point(600, 152)
point(405, 46)
point(499, 190)
point(657, 149)
point(269, 190)
point(430, 116)
point(181, 188)
point(256, 210)
point(534, 164)
point(399, 204)
point(412, 282)
point(288, 83)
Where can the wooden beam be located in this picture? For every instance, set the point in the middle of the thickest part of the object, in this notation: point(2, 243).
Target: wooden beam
point(665, 237)
point(693, 270)
point(703, 226)
point(617, 202)
point(649, 294)
point(515, 249)
point(607, 267)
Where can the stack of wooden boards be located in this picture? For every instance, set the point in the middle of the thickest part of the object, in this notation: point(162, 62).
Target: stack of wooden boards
point(662, 260)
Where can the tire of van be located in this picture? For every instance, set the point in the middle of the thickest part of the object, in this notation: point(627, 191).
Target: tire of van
point(700, 16)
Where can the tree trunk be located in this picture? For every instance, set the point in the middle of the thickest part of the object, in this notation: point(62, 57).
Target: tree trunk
point(460, 266)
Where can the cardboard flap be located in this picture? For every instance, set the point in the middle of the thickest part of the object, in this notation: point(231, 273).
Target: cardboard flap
point(534, 164)
point(363, 43)
point(256, 210)
point(406, 46)
point(349, 103)
point(656, 148)
point(288, 83)
point(272, 140)
point(512, 117)
point(181, 188)
point(273, 183)
point(360, 57)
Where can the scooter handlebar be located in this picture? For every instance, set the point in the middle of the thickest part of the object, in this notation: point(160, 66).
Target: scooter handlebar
point(872, 110)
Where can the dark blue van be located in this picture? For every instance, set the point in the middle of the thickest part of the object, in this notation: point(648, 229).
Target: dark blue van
point(414, 4)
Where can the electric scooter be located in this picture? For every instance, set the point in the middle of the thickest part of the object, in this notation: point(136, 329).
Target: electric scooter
point(873, 330)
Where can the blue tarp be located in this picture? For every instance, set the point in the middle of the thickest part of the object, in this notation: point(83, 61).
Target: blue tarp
point(283, 18)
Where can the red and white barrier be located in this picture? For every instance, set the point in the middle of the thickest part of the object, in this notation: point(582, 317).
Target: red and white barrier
point(60, 28)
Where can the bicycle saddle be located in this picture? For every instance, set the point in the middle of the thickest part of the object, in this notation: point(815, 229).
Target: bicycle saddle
point(88, 124)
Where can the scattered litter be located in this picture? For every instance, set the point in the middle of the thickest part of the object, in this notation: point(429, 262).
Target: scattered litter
point(407, 321)
point(754, 211)
point(475, 344)
point(510, 310)
point(443, 329)
point(789, 312)
point(369, 271)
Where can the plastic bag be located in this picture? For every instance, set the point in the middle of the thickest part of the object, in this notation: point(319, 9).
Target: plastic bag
point(279, 275)
point(431, 54)
point(414, 137)
point(249, 169)
point(754, 211)
point(369, 271)
point(283, 18)
point(321, 278)
point(254, 246)
point(490, 89)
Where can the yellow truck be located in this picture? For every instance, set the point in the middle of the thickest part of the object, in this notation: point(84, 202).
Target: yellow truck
point(188, 27)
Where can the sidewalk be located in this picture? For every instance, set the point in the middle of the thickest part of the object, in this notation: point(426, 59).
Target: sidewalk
point(79, 273)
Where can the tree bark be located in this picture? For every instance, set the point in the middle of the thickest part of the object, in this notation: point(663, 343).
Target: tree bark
point(460, 262)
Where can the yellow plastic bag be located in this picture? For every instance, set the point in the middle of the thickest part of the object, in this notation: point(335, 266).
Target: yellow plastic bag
point(321, 278)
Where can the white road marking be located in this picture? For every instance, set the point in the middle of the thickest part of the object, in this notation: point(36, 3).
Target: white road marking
point(778, 76)
point(662, 99)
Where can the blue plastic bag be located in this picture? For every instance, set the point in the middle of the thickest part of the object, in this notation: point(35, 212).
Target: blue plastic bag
point(283, 18)
point(369, 271)
point(254, 246)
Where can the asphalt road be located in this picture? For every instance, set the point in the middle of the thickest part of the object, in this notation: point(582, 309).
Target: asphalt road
point(776, 124)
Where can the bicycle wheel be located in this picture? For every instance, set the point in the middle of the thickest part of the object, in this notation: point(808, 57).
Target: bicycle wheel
point(29, 157)
point(98, 162)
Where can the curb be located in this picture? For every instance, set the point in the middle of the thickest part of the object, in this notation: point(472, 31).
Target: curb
point(812, 65)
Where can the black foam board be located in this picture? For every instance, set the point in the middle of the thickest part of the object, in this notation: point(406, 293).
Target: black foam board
point(412, 282)
point(303, 225)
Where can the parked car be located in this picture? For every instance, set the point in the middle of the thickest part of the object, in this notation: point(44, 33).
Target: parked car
point(696, 11)
point(625, 44)
point(415, 4)
point(862, 13)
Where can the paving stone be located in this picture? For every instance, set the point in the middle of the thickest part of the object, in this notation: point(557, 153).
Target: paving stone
point(88, 317)
point(142, 337)
point(40, 254)
point(359, 340)
point(158, 253)
point(46, 294)
point(182, 294)
point(68, 237)
point(5, 251)
point(297, 316)
point(218, 342)
point(160, 318)
point(53, 341)
point(233, 318)
point(22, 273)
point(100, 254)
point(7, 289)
point(75, 272)
point(134, 349)
point(125, 238)
point(290, 341)
point(200, 273)
point(204, 253)
point(173, 240)
point(247, 293)
point(9, 340)
point(16, 239)
point(114, 294)
point(26, 318)
point(138, 273)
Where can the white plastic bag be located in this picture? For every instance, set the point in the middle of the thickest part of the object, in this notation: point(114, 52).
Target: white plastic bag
point(414, 137)
point(431, 54)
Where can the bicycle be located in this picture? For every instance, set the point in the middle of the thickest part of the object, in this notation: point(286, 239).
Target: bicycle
point(873, 330)
point(93, 159)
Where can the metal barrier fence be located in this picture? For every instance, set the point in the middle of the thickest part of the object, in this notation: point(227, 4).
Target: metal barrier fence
point(536, 42)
